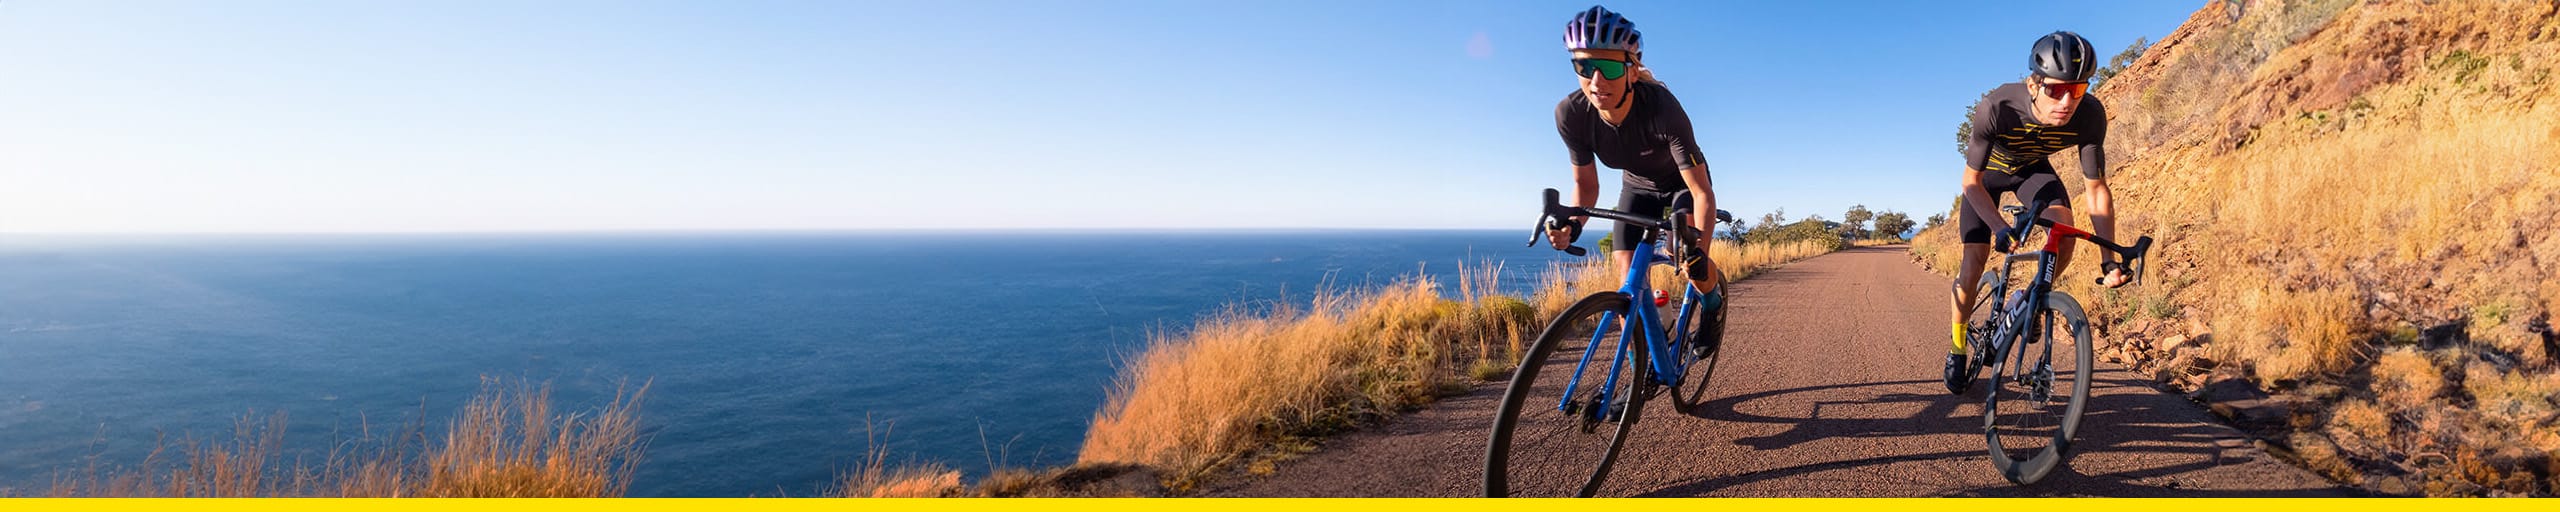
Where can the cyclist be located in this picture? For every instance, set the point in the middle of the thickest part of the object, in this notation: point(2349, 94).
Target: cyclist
point(1625, 118)
point(2015, 127)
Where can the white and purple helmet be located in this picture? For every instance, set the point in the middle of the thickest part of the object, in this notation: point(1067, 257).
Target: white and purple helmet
point(1599, 29)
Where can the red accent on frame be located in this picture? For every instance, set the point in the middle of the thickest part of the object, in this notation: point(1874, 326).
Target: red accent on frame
point(2053, 238)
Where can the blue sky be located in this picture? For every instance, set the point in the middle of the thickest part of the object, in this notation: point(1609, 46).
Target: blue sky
point(446, 116)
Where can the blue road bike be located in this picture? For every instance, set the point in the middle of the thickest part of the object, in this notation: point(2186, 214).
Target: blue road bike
point(2033, 409)
point(1584, 382)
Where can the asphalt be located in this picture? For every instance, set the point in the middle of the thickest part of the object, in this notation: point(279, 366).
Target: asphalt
point(1828, 388)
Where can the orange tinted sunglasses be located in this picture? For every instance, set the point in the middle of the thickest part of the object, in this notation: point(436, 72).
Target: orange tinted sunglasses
point(2065, 90)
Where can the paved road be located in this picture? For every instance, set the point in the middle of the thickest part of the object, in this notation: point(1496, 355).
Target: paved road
point(1829, 389)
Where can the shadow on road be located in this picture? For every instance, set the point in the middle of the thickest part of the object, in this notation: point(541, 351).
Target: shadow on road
point(2125, 415)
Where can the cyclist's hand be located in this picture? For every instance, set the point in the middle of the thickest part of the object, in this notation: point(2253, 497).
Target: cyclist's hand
point(1562, 233)
point(2115, 276)
point(2000, 241)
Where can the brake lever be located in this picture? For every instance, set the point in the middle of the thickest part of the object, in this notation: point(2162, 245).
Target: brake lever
point(1539, 232)
point(2137, 258)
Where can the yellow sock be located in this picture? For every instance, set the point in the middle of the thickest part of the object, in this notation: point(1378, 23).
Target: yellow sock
point(1958, 348)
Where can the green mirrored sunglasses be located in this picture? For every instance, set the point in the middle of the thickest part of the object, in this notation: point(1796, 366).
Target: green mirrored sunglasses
point(1609, 69)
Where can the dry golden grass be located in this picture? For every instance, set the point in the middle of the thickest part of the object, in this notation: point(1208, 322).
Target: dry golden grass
point(1193, 402)
point(876, 478)
point(202, 470)
point(2403, 376)
point(506, 443)
point(2292, 336)
point(1498, 324)
point(1744, 261)
point(509, 444)
point(2362, 419)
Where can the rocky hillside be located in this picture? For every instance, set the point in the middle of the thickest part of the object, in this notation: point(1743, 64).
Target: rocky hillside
point(2358, 211)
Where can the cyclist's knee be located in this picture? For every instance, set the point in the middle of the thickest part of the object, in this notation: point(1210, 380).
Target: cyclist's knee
point(2059, 213)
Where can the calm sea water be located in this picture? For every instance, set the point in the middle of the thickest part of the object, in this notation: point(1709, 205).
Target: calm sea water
point(766, 353)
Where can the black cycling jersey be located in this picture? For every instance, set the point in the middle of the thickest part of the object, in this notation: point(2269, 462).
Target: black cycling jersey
point(1652, 145)
point(2007, 139)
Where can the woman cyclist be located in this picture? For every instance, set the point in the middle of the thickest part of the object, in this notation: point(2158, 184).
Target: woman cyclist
point(1625, 118)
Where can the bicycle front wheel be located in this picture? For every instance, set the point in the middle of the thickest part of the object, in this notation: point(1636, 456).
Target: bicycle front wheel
point(1570, 405)
point(2038, 392)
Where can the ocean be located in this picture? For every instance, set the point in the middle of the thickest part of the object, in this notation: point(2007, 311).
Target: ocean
point(772, 359)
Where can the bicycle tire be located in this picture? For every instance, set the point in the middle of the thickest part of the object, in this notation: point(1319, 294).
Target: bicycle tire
point(1529, 465)
point(1691, 397)
point(2015, 412)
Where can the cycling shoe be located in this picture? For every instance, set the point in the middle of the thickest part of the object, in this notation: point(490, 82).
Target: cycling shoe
point(1958, 376)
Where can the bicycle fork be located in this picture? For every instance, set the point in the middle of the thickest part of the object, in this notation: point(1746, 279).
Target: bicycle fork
point(1603, 406)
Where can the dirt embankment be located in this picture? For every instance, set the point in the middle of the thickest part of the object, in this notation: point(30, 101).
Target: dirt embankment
point(2354, 202)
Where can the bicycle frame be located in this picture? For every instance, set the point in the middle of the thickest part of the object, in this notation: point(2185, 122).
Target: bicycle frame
point(1662, 346)
point(2015, 321)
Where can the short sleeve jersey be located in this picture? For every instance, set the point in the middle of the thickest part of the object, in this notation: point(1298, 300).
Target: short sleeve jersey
point(2006, 138)
point(1653, 144)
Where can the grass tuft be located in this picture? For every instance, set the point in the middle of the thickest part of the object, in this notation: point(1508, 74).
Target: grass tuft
point(507, 442)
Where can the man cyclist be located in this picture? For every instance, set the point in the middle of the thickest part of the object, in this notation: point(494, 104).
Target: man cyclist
point(2015, 127)
point(1625, 118)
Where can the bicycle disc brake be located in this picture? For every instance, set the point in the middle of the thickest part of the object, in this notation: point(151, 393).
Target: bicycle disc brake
point(1579, 410)
point(2041, 388)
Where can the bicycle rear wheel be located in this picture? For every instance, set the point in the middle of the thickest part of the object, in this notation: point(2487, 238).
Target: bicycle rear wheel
point(1691, 397)
point(2038, 392)
point(1549, 437)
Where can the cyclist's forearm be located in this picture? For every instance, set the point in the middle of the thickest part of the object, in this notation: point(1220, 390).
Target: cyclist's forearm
point(1702, 198)
point(1979, 199)
point(2102, 212)
point(1586, 186)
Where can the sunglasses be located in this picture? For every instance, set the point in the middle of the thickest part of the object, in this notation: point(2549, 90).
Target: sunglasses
point(1607, 69)
point(2065, 90)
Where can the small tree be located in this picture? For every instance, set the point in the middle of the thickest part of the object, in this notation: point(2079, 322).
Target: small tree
point(2120, 61)
point(1891, 224)
point(1934, 221)
point(1853, 223)
point(1809, 230)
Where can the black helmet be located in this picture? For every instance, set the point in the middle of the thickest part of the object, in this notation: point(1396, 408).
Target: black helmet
point(2063, 55)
